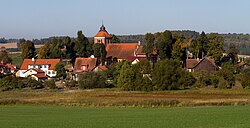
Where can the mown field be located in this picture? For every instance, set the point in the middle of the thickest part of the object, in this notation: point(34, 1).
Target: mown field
point(116, 98)
point(32, 116)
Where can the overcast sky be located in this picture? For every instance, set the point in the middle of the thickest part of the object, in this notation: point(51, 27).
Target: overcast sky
point(44, 18)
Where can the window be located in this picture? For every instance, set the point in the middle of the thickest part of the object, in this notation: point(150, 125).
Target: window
point(53, 72)
point(48, 72)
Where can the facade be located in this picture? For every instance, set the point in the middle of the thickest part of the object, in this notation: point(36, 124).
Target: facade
point(102, 36)
point(46, 65)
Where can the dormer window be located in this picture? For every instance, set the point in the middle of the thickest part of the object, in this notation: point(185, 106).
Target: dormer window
point(84, 67)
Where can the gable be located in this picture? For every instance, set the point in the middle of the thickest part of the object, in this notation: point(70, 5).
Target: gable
point(206, 64)
point(84, 64)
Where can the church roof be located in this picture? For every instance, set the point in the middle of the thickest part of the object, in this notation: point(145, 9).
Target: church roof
point(121, 50)
point(103, 33)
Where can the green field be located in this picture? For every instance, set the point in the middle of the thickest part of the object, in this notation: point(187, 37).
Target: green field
point(22, 116)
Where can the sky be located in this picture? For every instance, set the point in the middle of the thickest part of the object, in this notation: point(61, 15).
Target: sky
point(32, 19)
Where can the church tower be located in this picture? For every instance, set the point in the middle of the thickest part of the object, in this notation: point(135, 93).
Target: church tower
point(102, 36)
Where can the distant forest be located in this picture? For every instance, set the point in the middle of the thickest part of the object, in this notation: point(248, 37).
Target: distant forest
point(242, 41)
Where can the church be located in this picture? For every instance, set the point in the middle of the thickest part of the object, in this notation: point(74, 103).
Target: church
point(117, 52)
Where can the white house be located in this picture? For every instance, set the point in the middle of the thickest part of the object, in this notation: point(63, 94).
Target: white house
point(46, 65)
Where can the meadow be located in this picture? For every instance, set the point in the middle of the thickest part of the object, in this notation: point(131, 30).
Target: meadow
point(116, 98)
point(33, 116)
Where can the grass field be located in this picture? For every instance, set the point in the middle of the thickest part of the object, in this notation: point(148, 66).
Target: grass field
point(116, 98)
point(76, 117)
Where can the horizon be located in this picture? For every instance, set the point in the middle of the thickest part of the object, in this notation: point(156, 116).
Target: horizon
point(33, 19)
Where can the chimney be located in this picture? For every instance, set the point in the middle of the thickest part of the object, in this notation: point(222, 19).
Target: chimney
point(33, 59)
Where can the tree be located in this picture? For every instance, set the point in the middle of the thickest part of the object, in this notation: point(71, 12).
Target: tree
point(82, 45)
point(168, 75)
point(199, 46)
point(4, 57)
point(215, 46)
point(55, 49)
point(232, 53)
point(60, 70)
point(44, 51)
point(70, 52)
point(126, 78)
point(179, 49)
point(100, 52)
point(164, 42)
point(28, 50)
point(92, 80)
point(115, 39)
point(148, 47)
point(11, 82)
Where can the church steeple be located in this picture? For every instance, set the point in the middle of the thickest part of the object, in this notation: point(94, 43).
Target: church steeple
point(102, 36)
point(102, 29)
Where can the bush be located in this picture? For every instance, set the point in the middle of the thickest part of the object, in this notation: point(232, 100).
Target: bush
point(11, 82)
point(245, 81)
point(70, 83)
point(50, 83)
point(92, 80)
point(34, 84)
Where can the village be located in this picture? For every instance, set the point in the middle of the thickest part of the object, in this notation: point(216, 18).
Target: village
point(45, 69)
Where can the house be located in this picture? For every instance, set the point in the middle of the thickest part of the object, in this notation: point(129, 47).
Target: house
point(205, 64)
point(7, 68)
point(46, 65)
point(84, 65)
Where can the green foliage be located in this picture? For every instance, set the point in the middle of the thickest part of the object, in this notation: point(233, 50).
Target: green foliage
point(4, 57)
point(148, 46)
point(70, 83)
point(92, 80)
point(50, 83)
point(100, 52)
point(44, 51)
point(164, 42)
point(34, 84)
point(245, 81)
point(70, 52)
point(115, 39)
point(60, 70)
point(126, 78)
point(179, 51)
point(82, 45)
point(11, 82)
point(55, 49)
point(28, 50)
point(168, 75)
point(215, 46)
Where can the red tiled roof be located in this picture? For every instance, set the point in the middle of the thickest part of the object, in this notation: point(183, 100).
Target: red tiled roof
point(41, 75)
point(139, 51)
point(38, 70)
point(132, 58)
point(103, 68)
point(103, 34)
point(89, 62)
point(121, 50)
point(51, 62)
point(191, 63)
point(11, 66)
